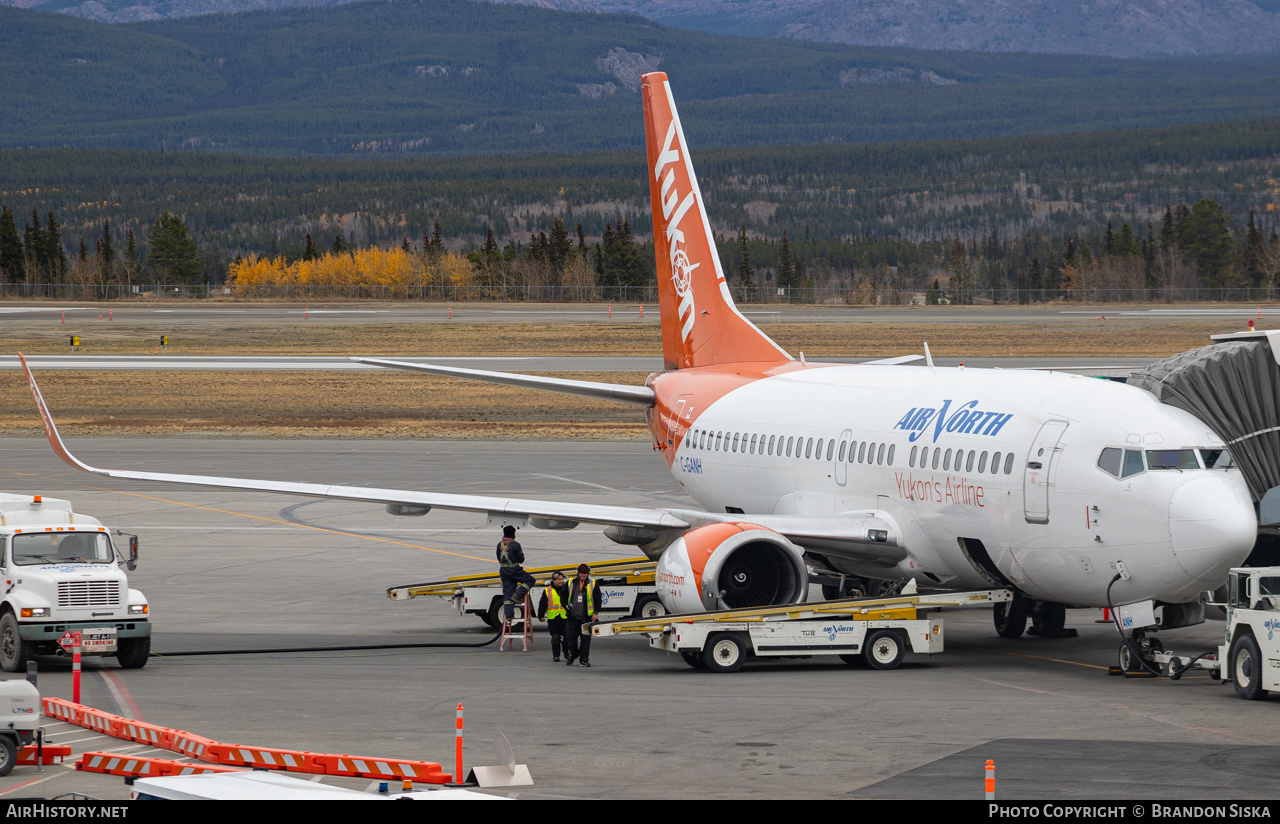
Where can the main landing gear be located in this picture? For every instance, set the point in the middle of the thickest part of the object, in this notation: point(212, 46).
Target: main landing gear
point(1048, 620)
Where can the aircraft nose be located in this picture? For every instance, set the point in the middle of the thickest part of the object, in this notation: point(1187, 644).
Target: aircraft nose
point(1212, 527)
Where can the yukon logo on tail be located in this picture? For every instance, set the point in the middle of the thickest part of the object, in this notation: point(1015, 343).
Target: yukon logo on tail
point(681, 267)
point(688, 266)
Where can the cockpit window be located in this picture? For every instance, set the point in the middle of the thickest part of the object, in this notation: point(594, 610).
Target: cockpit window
point(1110, 460)
point(1132, 462)
point(1217, 459)
point(1172, 459)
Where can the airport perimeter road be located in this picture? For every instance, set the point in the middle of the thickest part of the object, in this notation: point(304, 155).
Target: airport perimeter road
point(240, 571)
point(162, 316)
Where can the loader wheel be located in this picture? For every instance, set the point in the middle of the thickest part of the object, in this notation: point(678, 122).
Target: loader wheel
point(1246, 668)
point(134, 652)
point(1010, 619)
point(649, 607)
point(884, 650)
point(14, 652)
point(693, 658)
point(8, 755)
point(724, 653)
point(494, 616)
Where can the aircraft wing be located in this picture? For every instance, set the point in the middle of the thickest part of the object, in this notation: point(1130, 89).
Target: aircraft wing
point(550, 511)
point(621, 392)
point(868, 536)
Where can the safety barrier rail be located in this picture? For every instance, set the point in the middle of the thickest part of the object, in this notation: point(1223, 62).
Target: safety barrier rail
point(229, 755)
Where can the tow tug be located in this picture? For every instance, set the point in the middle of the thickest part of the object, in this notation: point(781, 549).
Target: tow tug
point(1249, 658)
point(627, 589)
point(872, 631)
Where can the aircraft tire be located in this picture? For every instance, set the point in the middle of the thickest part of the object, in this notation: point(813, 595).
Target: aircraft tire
point(1246, 668)
point(1010, 619)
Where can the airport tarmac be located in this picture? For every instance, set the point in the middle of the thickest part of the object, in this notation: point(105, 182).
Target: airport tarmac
point(229, 570)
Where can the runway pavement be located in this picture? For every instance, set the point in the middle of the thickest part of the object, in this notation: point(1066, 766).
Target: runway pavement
point(235, 570)
point(169, 315)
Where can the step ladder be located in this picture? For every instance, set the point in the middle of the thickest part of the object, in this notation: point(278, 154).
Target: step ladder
point(521, 612)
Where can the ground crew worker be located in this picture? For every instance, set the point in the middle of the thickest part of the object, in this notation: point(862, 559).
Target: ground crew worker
point(515, 581)
point(584, 606)
point(553, 607)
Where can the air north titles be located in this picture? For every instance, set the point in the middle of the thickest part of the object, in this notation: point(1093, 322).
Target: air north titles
point(965, 420)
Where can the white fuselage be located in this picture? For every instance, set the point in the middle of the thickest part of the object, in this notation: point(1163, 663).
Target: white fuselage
point(1049, 518)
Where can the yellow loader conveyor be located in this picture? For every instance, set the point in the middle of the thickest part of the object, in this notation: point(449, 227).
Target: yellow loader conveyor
point(626, 571)
point(876, 632)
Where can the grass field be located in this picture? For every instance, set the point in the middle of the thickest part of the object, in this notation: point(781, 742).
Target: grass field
point(335, 404)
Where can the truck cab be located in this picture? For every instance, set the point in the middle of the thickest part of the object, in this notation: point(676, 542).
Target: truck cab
point(62, 573)
point(1251, 655)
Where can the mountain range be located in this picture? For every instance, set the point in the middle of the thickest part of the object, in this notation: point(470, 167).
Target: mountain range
point(1116, 28)
point(447, 77)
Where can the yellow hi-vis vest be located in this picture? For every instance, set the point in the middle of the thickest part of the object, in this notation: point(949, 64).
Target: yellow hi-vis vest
point(588, 592)
point(555, 609)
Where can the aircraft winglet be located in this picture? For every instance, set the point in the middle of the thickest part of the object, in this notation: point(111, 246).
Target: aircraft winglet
point(51, 428)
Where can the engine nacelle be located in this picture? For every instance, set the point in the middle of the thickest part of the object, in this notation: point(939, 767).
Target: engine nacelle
point(731, 566)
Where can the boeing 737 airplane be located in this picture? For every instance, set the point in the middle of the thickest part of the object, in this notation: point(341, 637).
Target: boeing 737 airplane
point(1050, 484)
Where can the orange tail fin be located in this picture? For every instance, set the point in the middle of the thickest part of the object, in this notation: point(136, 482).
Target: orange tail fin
point(700, 324)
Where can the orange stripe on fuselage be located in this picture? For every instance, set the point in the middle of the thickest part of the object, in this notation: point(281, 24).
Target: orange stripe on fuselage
point(684, 394)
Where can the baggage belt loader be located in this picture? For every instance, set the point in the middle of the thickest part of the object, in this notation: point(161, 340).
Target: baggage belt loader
point(874, 631)
point(627, 589)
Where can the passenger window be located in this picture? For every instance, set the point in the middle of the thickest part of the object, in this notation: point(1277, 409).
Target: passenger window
point(880, 455)
point(924, 457)
point(1132, 462)
point(843, 445)
point(871, 453)
point(968, 464)
point(831, 445)
point(771, 437)
point(937, 456)
point(1008, 464)
point(818, 452)
point(808, 448)
point(790, 441)
point(853, 451)
point(1109, 461)
point(735, 442)
point(717, 442)
point(982, 462)
point(862, 452)
point(753, 444)
point(946, 461)
point(912, 460)
point(995, 464)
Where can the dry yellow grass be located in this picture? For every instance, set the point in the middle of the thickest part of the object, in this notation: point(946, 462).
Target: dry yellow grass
point(389, 404)
point(328, 404)
point(1123, 338)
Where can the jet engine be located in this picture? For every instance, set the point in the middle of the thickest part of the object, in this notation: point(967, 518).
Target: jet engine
point(731, 566)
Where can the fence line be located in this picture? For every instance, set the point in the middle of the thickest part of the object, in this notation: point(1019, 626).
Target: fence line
point(830, 294)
